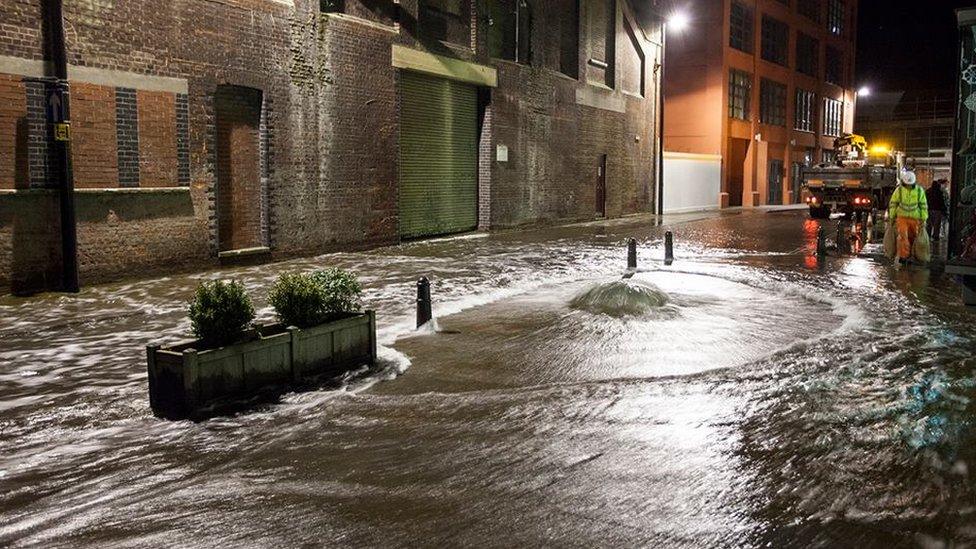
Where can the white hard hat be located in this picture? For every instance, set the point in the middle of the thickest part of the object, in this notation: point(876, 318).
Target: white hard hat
point(907, 177)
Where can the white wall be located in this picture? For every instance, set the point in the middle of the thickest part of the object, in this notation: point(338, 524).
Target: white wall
point(692, 182)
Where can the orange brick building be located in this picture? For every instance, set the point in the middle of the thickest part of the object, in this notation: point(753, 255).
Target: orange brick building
point(765, 84)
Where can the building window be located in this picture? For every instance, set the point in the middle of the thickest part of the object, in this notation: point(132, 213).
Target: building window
point(379, 11)
point(741, 28)
point(632, 63)
point(601, 24)
point(828, 156)
point(445, 20)
point(772, 103)
point(569, 40)
point(740, 94)
point(804, 111)
point(834, 69)
point(775, 40)
point(809, 9)
point(331, 6)
point(510, 30)
point(807, 55)
point(835, 16)
point(833, 117)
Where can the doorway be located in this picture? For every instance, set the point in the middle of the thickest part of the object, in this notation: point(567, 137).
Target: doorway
point(775, 194)
point(438, 156)
point(601, 187)
point(240, 216)
point(738, 151)
point(796, 181)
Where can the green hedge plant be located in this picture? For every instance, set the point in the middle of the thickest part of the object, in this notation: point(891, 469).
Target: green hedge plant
point(309, 299)
point(221, 312)
point(342, 290)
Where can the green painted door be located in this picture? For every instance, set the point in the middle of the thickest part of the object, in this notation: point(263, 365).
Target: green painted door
point(438, 156)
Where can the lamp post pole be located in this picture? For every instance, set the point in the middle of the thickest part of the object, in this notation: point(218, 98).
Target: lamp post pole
point(660, 121)
point(59, 116)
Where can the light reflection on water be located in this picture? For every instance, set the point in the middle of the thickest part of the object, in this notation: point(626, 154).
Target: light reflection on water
point(779, 404)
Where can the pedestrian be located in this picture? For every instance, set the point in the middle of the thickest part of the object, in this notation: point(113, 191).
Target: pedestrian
point(936, 199)
point(909, 210)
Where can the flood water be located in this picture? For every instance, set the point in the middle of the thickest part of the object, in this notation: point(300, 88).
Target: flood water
point(746, 396)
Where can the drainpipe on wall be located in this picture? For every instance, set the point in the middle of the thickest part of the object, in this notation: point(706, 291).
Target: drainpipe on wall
point(59, 116)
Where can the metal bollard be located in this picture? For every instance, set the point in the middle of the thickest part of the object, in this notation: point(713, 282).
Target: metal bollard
point(424, 312)
point(821, 242)
point(632, 253)
point(668, 248)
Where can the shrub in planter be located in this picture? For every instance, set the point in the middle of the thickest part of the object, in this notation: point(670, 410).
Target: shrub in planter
point(342, 290)
point(298, 299)
point(220, 312)
point(308, 299)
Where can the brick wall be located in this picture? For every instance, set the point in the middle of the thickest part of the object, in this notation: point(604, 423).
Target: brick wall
point(13, 133)
point(158, 149)
point(316, 169)
point(555, 142)
point(94, 144)
point(127, 136)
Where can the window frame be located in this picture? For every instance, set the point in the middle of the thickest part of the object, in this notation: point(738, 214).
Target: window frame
point(521, 23)
point(836, 17)
point(425, 11)
point(740, 91)
point(804, 110)
point(772, 103)
point(808, 65)
point(833, 117)
point(569, 60)
point(834, 70)
point(332, 6)
point(771, 49)
point(747, 27)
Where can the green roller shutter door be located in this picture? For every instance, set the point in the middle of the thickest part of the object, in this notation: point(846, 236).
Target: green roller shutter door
point(438, 156)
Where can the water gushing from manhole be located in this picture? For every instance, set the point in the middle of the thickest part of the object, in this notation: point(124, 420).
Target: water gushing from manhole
point(622, 298)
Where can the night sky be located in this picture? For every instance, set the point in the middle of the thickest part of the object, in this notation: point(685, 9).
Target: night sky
point(907, 44)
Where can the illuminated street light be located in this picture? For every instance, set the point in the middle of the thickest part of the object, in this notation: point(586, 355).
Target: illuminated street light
point(864, 91)
point(678, 21)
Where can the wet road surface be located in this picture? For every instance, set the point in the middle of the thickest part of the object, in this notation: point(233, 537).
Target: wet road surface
point(746, 396)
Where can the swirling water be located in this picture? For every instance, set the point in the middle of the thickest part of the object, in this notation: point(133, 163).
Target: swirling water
point(754, 397)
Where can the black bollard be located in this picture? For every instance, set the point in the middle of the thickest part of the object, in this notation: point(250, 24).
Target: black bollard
point(668, 248)
point(842, 245)
point(821, 242)
point(424, 312)
point(632, 254)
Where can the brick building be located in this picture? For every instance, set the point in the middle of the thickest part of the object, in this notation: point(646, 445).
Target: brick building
point(224, 130)
point(765, 84)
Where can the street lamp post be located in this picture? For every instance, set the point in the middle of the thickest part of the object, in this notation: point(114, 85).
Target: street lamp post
point(676, 22)
point(59, 115)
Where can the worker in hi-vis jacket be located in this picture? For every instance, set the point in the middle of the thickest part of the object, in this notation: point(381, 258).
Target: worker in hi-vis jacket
point(909, 210)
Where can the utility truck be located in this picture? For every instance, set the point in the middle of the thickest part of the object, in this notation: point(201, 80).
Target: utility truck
point(859, 183)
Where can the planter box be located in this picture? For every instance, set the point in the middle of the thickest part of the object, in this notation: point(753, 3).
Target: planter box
point(186, 382)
